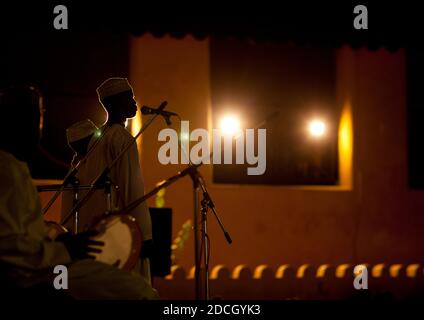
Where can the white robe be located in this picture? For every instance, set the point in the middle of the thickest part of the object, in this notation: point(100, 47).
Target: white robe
point(29, 255)
point(126, 175)
point(23, 238)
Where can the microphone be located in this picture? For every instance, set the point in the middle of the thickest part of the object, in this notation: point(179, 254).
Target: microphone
point(166, 114)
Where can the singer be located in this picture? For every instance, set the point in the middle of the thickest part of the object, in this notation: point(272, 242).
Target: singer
point(117, 98)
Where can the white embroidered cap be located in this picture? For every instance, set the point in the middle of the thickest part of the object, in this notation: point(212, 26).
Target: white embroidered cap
point(113, 86)
point(80, 130)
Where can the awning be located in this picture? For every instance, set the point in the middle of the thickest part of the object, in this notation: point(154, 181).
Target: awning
point(316, 23)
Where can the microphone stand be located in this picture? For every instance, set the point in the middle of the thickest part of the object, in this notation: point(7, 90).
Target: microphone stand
point(206, 204)
point(202, 241)
point(151, 193)
point(75, 187)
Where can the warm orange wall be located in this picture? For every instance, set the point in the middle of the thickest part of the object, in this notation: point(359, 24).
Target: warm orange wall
point(378, 220)
point(391, 216)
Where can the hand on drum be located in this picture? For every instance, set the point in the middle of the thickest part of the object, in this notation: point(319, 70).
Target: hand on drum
point(81, 246)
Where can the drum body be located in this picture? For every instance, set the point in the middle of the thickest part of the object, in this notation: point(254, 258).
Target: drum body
point(122, 241)
point(120, 234)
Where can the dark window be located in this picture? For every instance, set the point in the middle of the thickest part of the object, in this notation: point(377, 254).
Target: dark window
point(415, 100)
point(286, 86)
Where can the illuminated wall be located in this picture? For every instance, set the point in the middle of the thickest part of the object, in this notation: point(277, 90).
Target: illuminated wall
point(370, 217)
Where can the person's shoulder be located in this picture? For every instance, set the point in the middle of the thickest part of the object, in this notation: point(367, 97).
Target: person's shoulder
point(11, 168)
point(9, 162)
point(120, 132)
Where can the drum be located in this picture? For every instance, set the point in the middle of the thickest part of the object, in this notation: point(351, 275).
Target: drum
point(122, 241)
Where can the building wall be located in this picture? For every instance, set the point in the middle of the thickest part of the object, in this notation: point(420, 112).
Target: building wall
point(372, 217)
point(391, 214)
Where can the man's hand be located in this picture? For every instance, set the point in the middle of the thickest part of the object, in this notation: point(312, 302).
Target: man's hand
point(80, 245)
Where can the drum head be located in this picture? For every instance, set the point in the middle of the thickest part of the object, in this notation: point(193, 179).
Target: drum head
point(122, 241)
